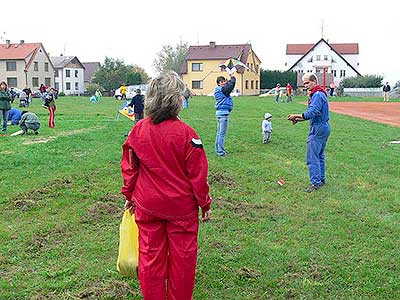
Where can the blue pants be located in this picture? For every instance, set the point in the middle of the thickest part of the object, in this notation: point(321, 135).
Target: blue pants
point(277, 98)
point(222, 127)
point(317, 139)
point(4, 117)
point(185, 103)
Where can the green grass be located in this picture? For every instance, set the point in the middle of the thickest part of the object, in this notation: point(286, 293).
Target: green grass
point(60, 208)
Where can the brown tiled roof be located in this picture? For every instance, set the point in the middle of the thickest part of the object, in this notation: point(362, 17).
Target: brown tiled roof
point(300, 49)
point(217, 52)
point(18, 51)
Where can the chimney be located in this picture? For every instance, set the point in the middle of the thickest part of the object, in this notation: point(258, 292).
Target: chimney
point(8, 43)
point(21, 42)
point(212, 44)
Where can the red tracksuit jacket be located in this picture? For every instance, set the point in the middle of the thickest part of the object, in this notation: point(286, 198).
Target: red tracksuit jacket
point(165, 169)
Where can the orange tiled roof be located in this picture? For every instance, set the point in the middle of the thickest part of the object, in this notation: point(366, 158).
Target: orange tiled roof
point(18, 51)
point(301, 49)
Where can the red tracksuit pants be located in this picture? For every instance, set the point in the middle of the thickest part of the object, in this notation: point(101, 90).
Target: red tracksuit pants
point(52, 110)
point(167, 256)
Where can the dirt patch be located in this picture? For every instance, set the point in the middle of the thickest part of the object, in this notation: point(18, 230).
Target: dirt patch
point(109, 290)
point(111, 197)
point(381, 112)
point(47, 240)
point(247, 273)
point(32, 198)
point(99, 210)
point(222, 179)
point(64, 133)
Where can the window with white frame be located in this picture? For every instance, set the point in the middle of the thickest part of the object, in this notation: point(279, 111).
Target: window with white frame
point(68, 86)
point(47, 81)
point(76, 73)
point(35, 66)
point(67, 73)
point(325, 57)
point(197, 67)
point(46, 66)
point(35, 81)
point(76, 86)
point(334, 73)
point(318, 58)
point(342, 73)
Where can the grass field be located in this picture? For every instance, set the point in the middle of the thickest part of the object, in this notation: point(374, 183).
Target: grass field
point(60, 208)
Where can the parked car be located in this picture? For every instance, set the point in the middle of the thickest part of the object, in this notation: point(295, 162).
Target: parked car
point(131, 91)
point(272, 92)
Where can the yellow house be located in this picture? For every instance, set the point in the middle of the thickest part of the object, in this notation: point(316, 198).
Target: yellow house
point(202, 68)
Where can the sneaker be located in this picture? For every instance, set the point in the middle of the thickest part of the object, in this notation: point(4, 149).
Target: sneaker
point(36, 133)
point(322, 183)
point(312, 188)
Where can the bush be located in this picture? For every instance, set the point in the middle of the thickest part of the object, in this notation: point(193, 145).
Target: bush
point(61, 94)
point(93, 87)
point(367, 81)
point(269, 79)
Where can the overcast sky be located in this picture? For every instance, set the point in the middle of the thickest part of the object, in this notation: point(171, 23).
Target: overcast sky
point(136, 30)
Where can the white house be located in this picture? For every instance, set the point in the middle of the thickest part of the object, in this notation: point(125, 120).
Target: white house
point(69, 75)
point(338, 60)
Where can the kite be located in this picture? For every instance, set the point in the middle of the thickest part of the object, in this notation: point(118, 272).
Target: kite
point(232, 64)
point(127, 111)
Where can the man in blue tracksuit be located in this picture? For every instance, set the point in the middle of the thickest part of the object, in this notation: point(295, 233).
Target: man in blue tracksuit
point(223, 107)
point(318, 114)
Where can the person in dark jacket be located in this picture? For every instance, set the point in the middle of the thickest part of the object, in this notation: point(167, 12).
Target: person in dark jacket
point(318, 115)
point(165, 169)
point(138, 105)
point(386, 90)
point(223, 107)
point(28, 92)
point(5, 105)
point(14, 115)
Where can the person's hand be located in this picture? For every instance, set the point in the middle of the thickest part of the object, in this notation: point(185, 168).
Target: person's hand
point(291, 117)
point(206, 215)
point(131, 206)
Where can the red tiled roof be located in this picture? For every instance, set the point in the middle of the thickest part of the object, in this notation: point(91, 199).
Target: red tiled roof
point(18, 51)
point(222, 52)
point(301, 49)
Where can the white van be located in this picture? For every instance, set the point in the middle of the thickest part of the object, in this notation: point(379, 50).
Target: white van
point(131, 91)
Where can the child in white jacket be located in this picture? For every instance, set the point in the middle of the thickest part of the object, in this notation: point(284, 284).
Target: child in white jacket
point(266, 128)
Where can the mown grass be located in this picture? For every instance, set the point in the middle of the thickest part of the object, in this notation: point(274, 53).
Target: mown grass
point(60, 208)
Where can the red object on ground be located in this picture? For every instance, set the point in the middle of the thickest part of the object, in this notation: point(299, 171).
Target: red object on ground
point(281, 182)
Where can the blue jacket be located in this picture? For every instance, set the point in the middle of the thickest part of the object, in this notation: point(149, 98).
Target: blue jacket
point(223, 100)
point(318, 109)
point(14, 115)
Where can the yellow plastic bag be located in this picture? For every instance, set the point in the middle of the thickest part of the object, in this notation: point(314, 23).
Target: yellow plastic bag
point(127, 262)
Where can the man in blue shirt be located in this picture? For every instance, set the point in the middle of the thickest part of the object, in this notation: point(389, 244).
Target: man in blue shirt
point(318, 115)
point(223, 107)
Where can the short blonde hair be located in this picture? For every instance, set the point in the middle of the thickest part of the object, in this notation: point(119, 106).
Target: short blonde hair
point(310, 76)
point(163, 99)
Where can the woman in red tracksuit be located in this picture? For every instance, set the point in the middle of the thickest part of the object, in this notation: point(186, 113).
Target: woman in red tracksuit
point(165, 172)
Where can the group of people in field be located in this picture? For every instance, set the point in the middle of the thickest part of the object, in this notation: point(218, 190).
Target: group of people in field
point(165, 169)
point(25, 119)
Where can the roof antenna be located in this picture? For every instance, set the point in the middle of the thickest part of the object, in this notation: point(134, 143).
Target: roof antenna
point(322, 28)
